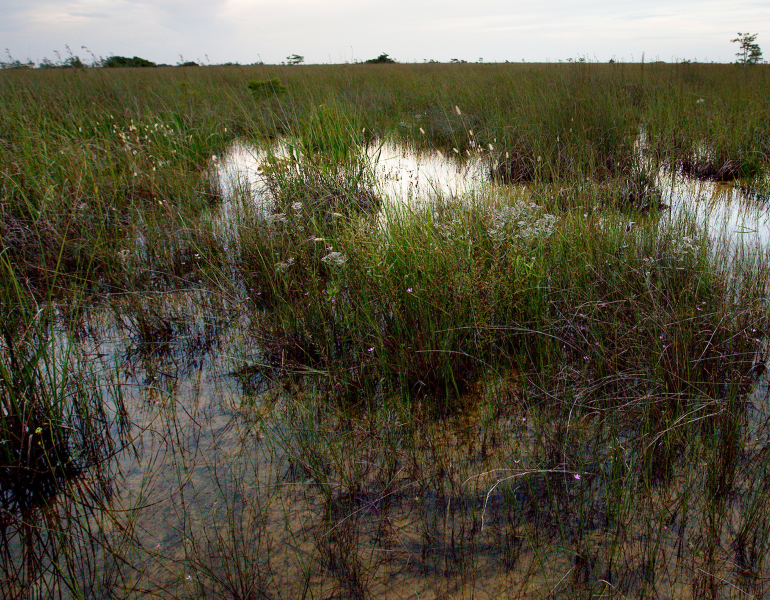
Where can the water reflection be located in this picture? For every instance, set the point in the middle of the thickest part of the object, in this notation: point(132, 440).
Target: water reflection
point(235, 488)
point(731, 216)
point(401, 175)
point(405, 178)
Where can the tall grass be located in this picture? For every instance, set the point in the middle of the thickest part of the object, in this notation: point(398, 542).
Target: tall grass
point(90, 156)
point(544, 391)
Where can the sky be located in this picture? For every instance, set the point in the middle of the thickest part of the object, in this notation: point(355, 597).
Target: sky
point(337, 31)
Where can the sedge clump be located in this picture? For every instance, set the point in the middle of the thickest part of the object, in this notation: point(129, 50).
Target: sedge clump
point(267, 88)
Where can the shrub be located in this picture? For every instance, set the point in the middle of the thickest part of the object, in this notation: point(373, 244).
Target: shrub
point(122, 61)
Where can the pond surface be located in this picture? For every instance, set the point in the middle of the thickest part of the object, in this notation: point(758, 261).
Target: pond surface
point(729, 214)
point(407, 179)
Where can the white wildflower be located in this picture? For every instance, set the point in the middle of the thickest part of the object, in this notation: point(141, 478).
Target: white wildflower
point(277, 217)
point(334, 258)
point(284, 266)
point(521, 221)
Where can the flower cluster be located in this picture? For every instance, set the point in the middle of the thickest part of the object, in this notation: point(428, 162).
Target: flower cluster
point(684, 247)
point(525, 221)
point(334, 258)
point(284, 266)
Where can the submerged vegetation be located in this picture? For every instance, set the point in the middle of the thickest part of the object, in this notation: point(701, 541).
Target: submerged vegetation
point(548, 385)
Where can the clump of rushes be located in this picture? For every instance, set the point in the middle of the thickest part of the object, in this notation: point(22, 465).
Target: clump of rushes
point(429, 300)
point(653, 301)
point(83, 174)
point(267, 88)
point(412, 302)
point(54, 424)
point(322, 170)
point(579, 125)
point(53, 421)
point(36, 453)
point(706, 132)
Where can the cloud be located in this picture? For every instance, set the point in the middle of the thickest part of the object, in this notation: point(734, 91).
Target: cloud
point(90, 15)
point(337, 30)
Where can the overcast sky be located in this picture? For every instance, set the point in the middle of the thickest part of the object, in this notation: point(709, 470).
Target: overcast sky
point(246, 31)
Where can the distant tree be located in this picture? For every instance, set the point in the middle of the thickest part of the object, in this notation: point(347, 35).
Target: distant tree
point(295, 59)
point(17, 64)
point(750, 53)
point(381, 59)
point(755, 55)
point(73, 62)
point(122, 61)
point(12, 63)
point(458, 60)
point(188, 63)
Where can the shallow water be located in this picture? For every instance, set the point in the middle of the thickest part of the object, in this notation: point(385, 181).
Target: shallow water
point(232, 485)
point(728, 214)
point(401, 176)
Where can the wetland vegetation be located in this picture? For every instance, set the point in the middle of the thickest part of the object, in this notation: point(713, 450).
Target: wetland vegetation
point(385, 330)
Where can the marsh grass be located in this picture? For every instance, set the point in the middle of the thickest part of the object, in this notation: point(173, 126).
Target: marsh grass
point(545, 391)
point(639, 347)
point(267, 88)
point(435, 298)
point(131, 148)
